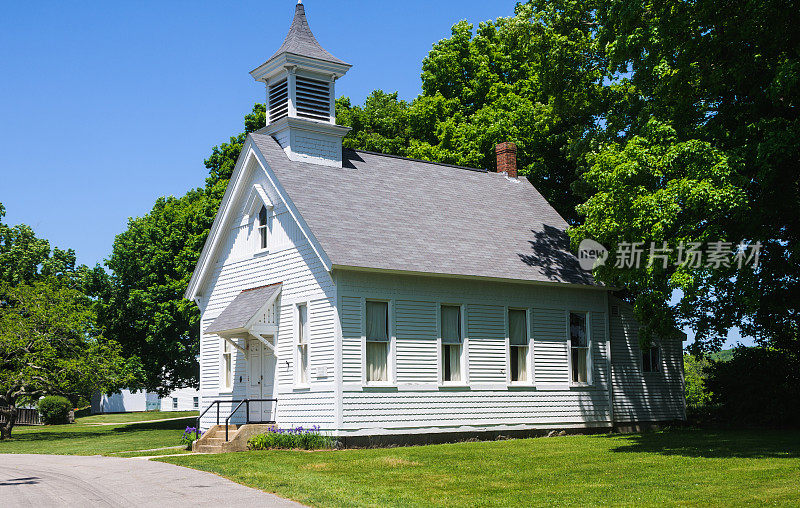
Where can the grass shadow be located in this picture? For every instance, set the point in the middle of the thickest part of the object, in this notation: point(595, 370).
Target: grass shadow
point(714, 444)
point(167, 425)
point(49, 435)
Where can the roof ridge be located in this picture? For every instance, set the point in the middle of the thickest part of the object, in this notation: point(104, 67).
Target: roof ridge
point(261, 287)
point(477, 170)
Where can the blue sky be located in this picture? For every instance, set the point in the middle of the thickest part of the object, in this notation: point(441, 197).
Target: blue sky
point(104, 106)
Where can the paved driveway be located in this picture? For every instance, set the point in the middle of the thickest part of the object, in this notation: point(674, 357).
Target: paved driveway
point(68, 480)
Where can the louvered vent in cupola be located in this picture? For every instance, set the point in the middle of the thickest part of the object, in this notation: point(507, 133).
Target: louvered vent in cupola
point(278, 101)
point(313, 99)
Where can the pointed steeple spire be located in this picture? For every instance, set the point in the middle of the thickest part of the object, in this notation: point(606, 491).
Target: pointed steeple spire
point(301, 41)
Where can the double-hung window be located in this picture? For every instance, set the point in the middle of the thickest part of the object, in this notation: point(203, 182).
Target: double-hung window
point(377, 335)
point(518, 344)
point(451, 343)
point(651, 359)
point(227, 365)
point(174, 402)
point(262, 228)
point(195, 402)
point(579, 345)
point(302, 344)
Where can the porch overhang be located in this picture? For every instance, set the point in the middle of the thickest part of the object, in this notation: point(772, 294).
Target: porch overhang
point(249, 314)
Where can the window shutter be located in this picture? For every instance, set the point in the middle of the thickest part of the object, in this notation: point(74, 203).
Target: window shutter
point(313, 98)
point(278, 101)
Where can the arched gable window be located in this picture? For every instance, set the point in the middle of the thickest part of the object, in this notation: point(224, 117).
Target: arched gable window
point(262, 227)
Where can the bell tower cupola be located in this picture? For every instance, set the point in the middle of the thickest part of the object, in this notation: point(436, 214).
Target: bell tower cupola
point(300, 80)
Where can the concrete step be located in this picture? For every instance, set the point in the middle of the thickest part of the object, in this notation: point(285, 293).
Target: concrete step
point(221, 435)
point(205, 448)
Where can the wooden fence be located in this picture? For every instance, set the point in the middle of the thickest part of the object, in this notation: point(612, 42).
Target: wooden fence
point(25, 416)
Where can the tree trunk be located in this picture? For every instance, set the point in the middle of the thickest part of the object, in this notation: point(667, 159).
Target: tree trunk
point(10, 414)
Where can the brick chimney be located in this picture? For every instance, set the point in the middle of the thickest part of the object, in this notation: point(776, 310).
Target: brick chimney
point(507, 158)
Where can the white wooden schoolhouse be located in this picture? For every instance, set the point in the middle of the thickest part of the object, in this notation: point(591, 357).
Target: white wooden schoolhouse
point(375, 295)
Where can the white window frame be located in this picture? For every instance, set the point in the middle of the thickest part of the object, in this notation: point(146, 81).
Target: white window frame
point(391, 378)
point(174, 403)
point(589, 377)
point(226, 370)
point(657, 346)
point(464, 362)
point(528, 357)
point(298, 378)
point(262, 245)
point(257, 199)
point(196, 402)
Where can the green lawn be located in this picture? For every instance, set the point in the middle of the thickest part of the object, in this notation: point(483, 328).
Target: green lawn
point(82, 439)
point(140, 416)
point(695, 467)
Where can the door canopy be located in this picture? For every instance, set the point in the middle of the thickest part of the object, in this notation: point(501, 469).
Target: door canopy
point(252, 312)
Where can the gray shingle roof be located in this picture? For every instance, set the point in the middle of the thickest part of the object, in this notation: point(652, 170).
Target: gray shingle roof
point(242, 308)
point(300, 40)
point(391, 213)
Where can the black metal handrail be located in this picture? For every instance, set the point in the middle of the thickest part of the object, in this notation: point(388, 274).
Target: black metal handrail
point(197, 425)
point(246, 402)
point(238, 405)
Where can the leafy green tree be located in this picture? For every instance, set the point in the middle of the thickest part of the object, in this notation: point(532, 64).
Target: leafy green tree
point(143, 308)
point(727, 73)
point(25, 258)
point(657, 189)
point(381, 125)
point(49, 344)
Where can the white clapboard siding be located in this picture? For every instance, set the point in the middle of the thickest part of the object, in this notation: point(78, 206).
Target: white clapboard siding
point(405, 410)
point(185, 398)
point(416, 341)
point(418, 402)
point(643, 396)
point(290, 260)
point(550, 352)
point(306, 409)
point(487, 343)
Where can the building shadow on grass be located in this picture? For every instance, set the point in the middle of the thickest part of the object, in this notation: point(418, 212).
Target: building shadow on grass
point(171, 424)
point(753, 444)
point(49, 435)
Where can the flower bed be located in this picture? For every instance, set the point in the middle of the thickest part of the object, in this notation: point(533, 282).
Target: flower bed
point(292, 438)
point(188, 436)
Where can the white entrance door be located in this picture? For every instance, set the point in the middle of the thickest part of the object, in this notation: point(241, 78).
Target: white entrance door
point(261, 363)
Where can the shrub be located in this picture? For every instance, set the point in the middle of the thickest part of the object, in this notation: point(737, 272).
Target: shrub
point(54, 409)
point(293, 438)
point(698, 397)
point(758, 386)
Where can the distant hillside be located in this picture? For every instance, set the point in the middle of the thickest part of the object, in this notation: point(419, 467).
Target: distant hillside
point(722, 356)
